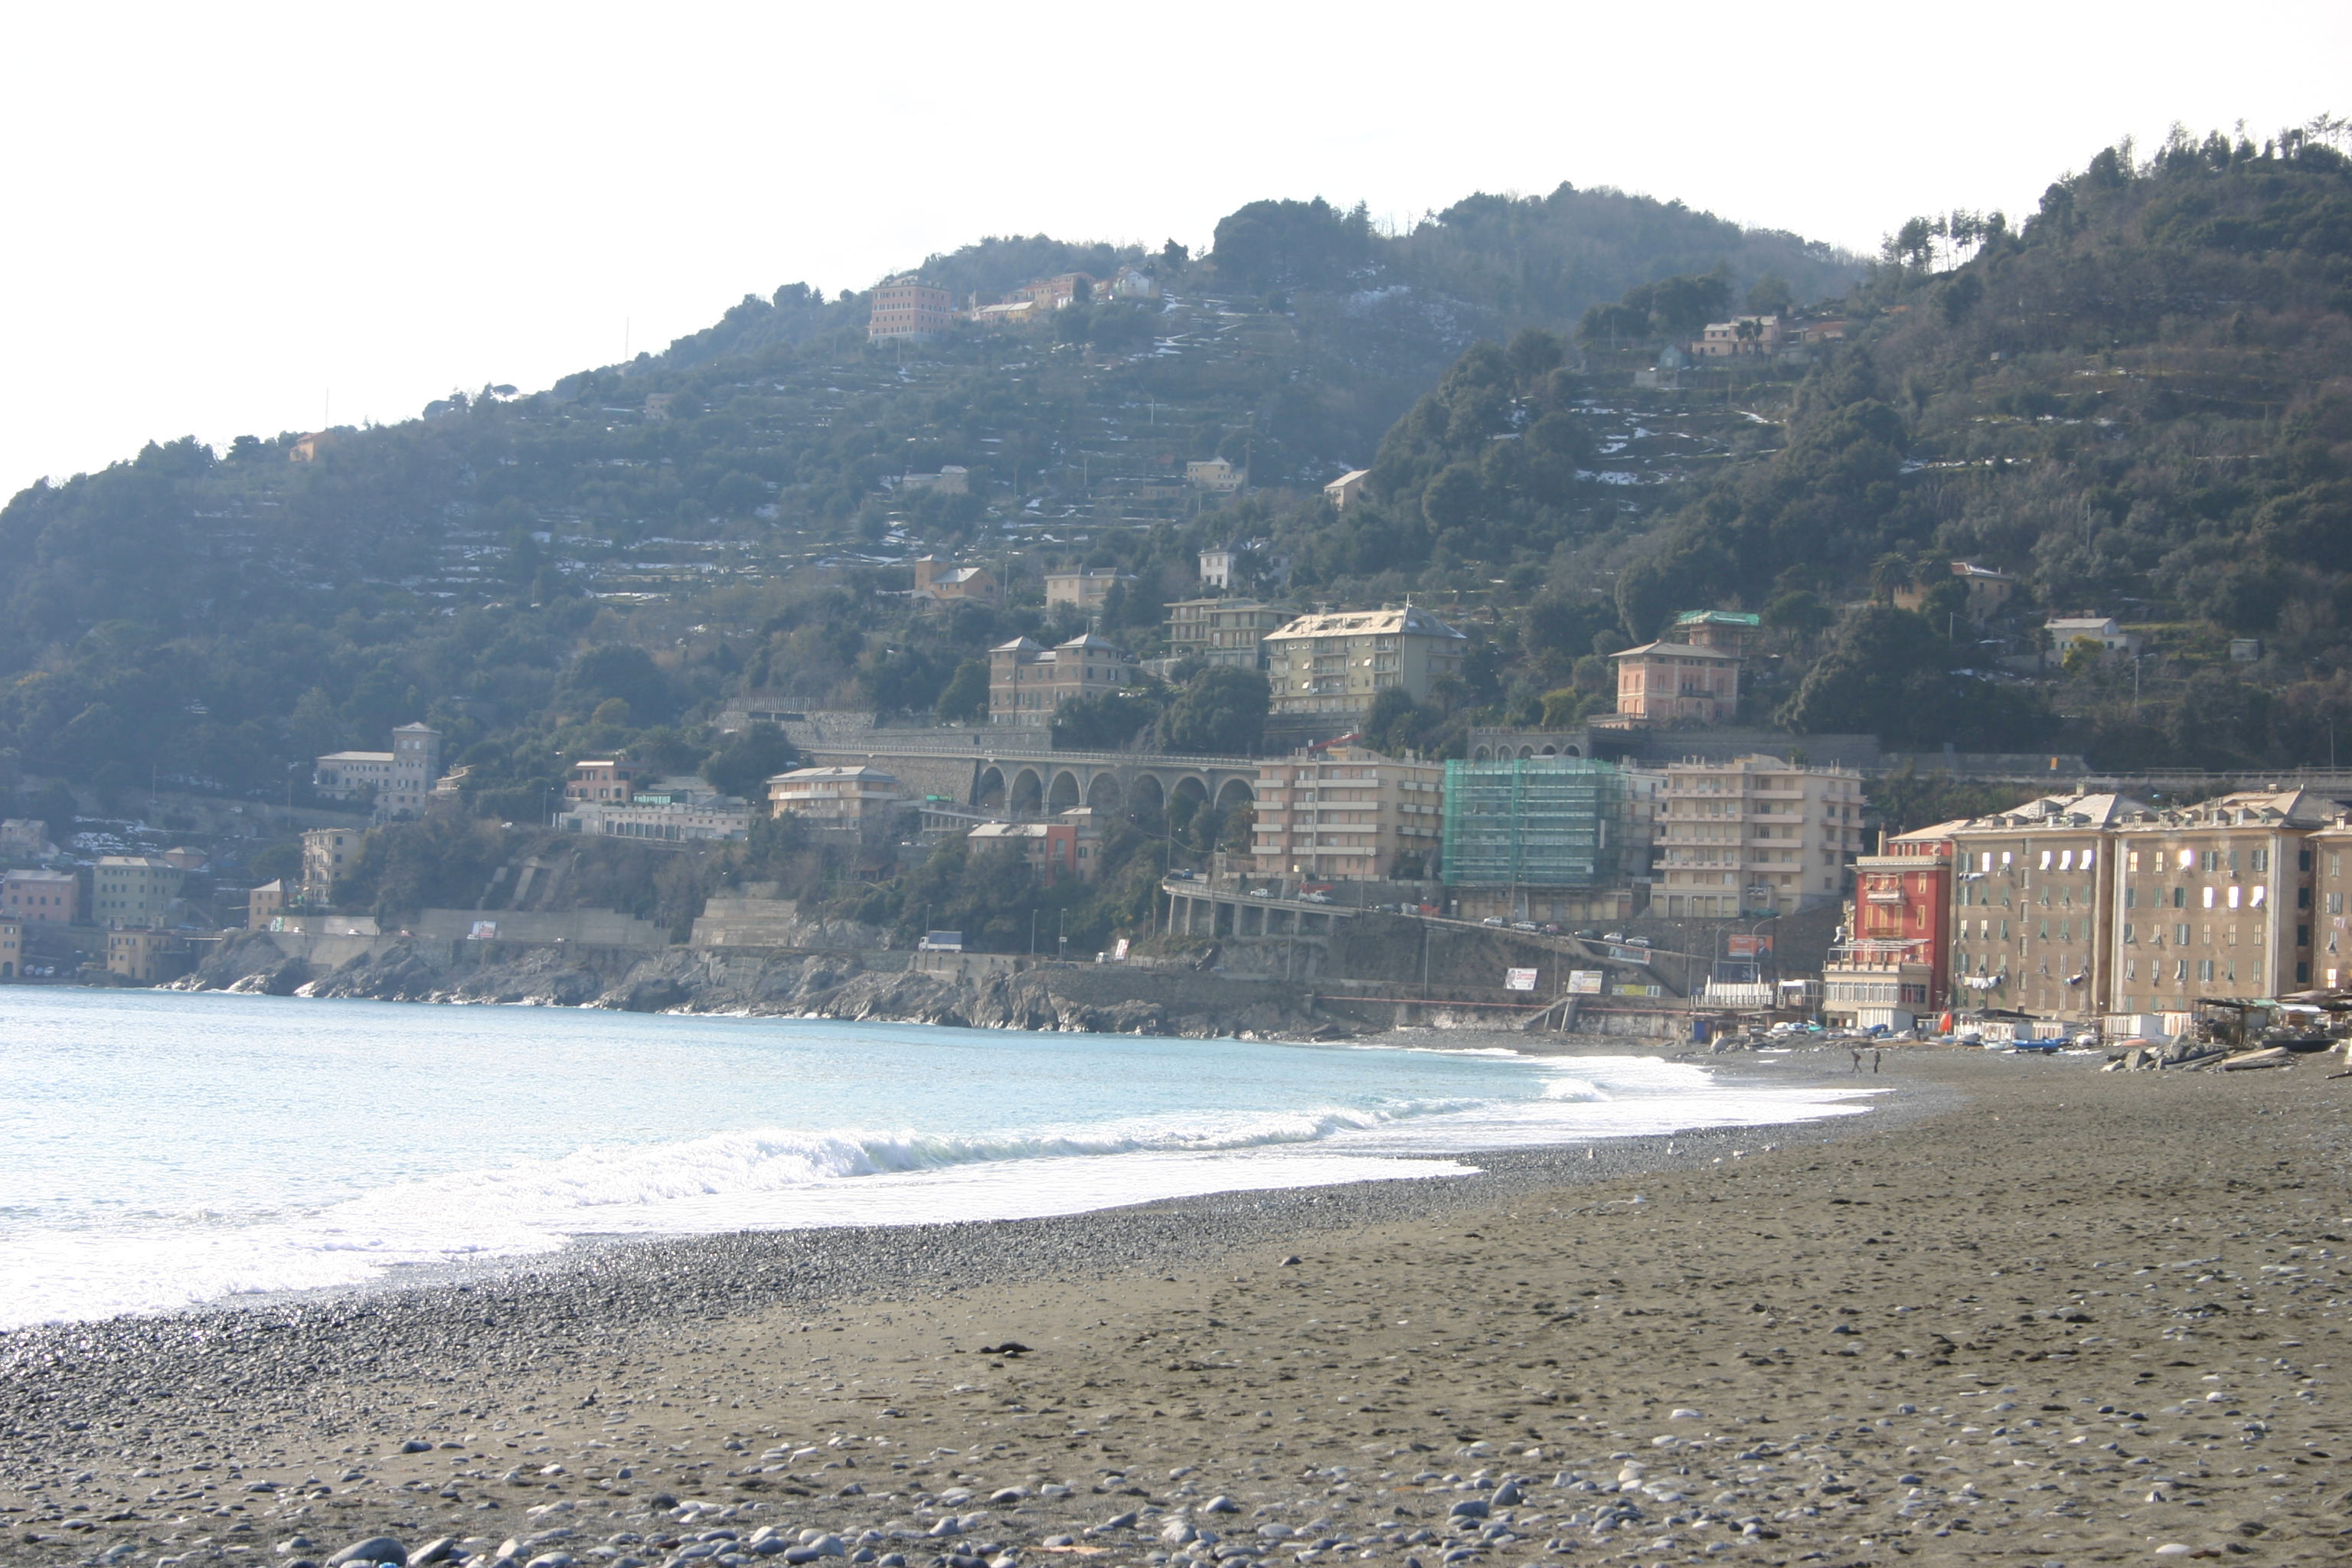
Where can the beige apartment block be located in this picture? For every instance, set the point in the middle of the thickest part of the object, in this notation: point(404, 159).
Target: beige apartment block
point(1336, 663)
point(1347, 813)
point(1027, 681)
point(2033, 906)
point(1223, 631)
point(2331, 874)
point(128, 890)
point(327, 854)
point(1756, 836)
point(1215, 476)
point(839, 799)
point(1085, 588)
point(2217, 899)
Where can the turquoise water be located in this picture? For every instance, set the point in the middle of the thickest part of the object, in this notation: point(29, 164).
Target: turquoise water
point(161, 1149)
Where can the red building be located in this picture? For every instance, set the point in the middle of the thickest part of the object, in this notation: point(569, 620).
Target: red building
point(1903, 900)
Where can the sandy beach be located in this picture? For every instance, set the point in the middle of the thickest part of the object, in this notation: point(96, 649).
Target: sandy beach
point(2020, 1311)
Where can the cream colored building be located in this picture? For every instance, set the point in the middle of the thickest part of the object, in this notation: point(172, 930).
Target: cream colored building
point(2219, 898)
point(327, 854)
point(2034, 900)
point(1027, 681)
point(840, 799)
point(1755, 835)
point(1084, 588)
point(1223, 631)
point(1347, 813)
point(397, 783)
point(1347, 488)
point(1216, 476)
point(1217, 567)
point(12, 948)
point(1336, 663)
point(133, 890)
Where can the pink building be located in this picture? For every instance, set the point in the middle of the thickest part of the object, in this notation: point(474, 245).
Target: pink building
point(41, 898)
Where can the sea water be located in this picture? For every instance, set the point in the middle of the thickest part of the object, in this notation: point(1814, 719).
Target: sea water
point(160, 1149)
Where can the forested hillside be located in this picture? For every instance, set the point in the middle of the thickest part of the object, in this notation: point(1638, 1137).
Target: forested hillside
point(596, 564)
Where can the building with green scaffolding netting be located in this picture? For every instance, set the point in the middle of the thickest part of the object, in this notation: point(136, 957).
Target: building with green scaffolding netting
point(1534, 827)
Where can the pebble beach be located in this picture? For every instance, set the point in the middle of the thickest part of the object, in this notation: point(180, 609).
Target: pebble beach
point(2020, 1311)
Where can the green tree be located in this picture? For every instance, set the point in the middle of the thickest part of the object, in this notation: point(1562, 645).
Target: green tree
point(965, 700)
point(1219, 713)
point(744, 765)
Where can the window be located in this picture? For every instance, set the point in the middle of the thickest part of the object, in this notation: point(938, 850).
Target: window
point(2131, 968)
point(2131, 862)
point(2179, 971)
point(2302, 861)
point(2260, 859)
point(2255, 899)
point(2131, 897)
point(2303, 936)
point(2180, 898)
point(2334, 903)
point(2233, 898)
point(2209, 898)
point(2303, 897)
point(2180, 936)
point(2090, 857)
point(2046, 856)
point(2188, 858)
point(2204, 972)
point(2131, 935)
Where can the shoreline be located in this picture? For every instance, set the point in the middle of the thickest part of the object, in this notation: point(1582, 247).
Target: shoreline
point(1539, 1322)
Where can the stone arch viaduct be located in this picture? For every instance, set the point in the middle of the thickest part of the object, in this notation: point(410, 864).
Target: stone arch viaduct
point(1030, 780)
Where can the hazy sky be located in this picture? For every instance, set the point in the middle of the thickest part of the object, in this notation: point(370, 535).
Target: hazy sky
point(221, 217)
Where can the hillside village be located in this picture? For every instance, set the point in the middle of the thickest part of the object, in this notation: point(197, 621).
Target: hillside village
point(1258, 612)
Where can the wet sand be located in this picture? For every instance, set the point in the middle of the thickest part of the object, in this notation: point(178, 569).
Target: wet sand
point(2021, 1312)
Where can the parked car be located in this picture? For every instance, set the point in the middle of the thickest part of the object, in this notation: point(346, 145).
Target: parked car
point(1587, 936)
point(1613, 936)
point(1315, 897)
point(1493, 920)
point(1523, 925)
point(1637, 941)
point(1261, 892)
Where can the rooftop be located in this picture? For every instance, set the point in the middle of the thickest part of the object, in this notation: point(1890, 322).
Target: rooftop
point(1411, 620)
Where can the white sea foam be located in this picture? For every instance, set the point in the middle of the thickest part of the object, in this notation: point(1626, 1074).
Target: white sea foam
point(274, 1156)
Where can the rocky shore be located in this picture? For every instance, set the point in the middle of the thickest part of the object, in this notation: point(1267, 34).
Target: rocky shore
point(851, 984)
point(2022, 1311)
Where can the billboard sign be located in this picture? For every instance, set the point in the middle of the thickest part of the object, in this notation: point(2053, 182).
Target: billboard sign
point(1748, 946)
point(1584, 982)
point(1519, 980)
point(1629, 954)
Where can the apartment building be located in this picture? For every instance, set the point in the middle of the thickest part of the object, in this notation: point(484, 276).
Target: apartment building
point(1347, 488)
point(838, 799)
point(1336, 663)
point(150, 957)
point(1084, 588)
point(11, 947)
point(1066, 844)
point(1027, 681)
point(1558, 839)
point(265, 903)
point(906, 307)
point(133, 890)
point(1215, 476)
point(1755, 835)
point(2033, 907)
point(2218, 899)
point(1349, 814)
point(1223, 631)
point(601, 779)
point(327, 854)
point(41, 898)
point(1903, 908)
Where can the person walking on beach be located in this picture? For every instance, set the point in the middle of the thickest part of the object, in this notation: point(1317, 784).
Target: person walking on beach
point(1874, 1059)
point(1857, 1060)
